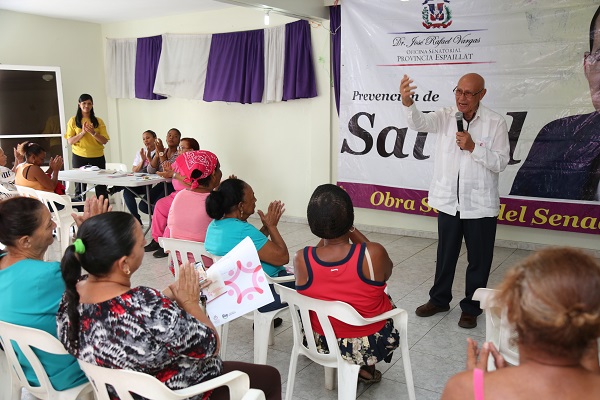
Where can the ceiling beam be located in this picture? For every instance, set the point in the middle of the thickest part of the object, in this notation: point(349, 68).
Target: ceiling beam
point(305, 9)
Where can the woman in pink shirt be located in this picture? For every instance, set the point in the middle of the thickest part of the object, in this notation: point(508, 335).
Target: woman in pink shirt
point(162, 207)
point(188, 219)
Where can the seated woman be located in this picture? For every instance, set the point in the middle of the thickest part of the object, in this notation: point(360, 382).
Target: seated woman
point(155, 164)
point(104, 321)
point(146, 153)
point(552, 298)
point(353, 273)
point(188, 219)
point(162, 207)
point(140, 165)
point(26, 230)
point(7, 176)
point(230, 205)
point(30, 173)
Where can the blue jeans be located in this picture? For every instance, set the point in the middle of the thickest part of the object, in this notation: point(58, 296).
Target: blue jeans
point(157, 192)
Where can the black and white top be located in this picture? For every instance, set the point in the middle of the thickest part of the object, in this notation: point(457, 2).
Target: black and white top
point(145, 331)
point(7, 180)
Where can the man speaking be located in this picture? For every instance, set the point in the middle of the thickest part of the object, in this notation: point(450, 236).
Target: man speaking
point(464, 188)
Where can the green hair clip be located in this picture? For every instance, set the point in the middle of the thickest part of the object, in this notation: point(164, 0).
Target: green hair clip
point(79, 246)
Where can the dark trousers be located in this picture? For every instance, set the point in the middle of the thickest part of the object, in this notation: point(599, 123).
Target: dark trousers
point(480, 235)
point(99, 162)
point(276, 304)
point(157, 192)
point(263, 377)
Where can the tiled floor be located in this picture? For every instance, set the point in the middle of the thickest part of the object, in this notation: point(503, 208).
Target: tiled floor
point(437, 344)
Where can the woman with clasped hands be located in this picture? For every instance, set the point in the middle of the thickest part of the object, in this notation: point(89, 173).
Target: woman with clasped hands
point(230, 205)
point(552, 298)
point(30, 288)
point(87, 136)
point(30, 173)
point(104, 321)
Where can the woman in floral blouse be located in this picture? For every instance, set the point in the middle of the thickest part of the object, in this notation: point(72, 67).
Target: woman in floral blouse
point(103, 321)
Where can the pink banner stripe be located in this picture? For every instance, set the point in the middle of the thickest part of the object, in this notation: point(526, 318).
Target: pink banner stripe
point(556, 215)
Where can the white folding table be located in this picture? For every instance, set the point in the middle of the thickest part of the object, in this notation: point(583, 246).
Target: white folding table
point(102, 177)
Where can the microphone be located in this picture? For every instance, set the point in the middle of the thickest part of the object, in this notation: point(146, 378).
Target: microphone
point(459, 122)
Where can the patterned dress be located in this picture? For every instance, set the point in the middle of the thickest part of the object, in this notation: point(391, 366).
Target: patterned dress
point(143, 330)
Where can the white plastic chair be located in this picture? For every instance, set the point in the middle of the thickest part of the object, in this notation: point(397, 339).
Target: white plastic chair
point(178, 250)
point(126, 381)
point(27, 191)
point(497, 328)
point(347, 373)
point(180, 247)
point(118, 199)
point(63, 218)
point(264, 330)
point(26, 338)
point(5, 381)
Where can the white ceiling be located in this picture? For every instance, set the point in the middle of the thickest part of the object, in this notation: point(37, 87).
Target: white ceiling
point(105, 11)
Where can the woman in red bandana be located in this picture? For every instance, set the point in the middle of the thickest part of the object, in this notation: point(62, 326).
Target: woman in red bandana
point(187, 218)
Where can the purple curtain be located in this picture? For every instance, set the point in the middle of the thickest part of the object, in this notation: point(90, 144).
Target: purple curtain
point(299, 74)
point(335, 24)
point(236, 67)
point(146, 64)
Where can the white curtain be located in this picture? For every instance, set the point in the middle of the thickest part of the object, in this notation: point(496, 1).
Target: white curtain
point(274, 63)
point(120, 68)
point(182, 67)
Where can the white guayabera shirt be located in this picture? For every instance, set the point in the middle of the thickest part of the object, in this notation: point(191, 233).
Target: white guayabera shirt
point(463, 181)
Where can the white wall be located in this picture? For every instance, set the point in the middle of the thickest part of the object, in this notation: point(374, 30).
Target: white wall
point(283, 150)
point(75, 47)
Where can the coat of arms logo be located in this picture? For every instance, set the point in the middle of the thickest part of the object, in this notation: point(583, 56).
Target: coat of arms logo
point(436, 14)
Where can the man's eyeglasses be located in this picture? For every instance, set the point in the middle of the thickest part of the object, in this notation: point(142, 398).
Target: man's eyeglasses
point(459, 92)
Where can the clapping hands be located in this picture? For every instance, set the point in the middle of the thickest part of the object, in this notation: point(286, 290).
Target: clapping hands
point(143, 155)
point(477, 358)
point(160, 147)
point(89, 128)
point(271, 218)
point(56, 163)
point(167, 171)
point(186, 290)
point(19, 158)
point(93, 206)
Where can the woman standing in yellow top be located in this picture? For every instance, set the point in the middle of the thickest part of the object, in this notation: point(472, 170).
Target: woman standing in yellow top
point(87, 135)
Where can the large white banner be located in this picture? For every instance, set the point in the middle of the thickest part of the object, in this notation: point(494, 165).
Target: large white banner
point(531, 54)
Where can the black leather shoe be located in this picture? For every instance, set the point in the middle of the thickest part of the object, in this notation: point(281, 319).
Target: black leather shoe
point(428, 309)
point(467, 321)
point(160, 253)
point(152, 246)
